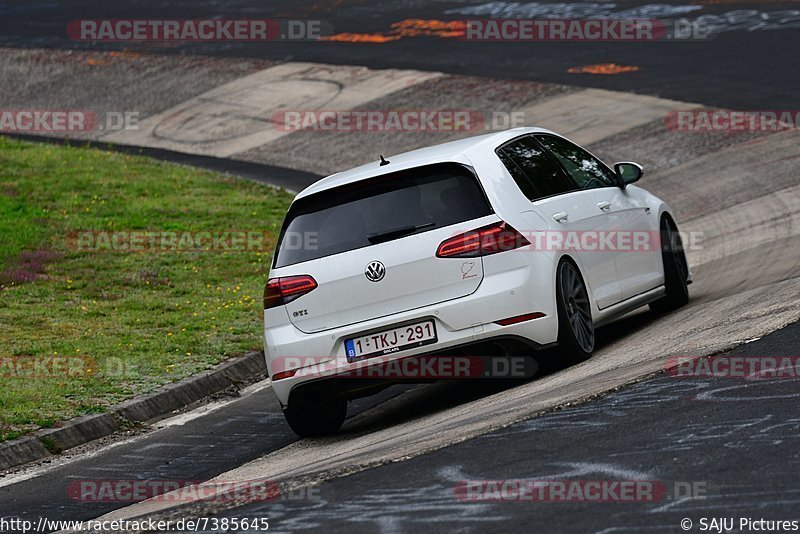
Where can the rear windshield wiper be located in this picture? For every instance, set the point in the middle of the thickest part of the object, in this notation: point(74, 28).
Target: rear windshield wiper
point(388, 235)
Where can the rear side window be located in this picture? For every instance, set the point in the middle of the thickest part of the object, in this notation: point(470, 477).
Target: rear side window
point(536, 173)
point(524, 183)
point(379, 210)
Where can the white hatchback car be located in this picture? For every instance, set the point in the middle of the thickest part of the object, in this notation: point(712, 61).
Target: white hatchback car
point(509, 241)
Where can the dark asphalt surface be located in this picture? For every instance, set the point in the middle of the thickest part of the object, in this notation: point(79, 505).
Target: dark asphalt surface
point(195, 451)
point(734, 441)
point(751, 63)
point(290, 179)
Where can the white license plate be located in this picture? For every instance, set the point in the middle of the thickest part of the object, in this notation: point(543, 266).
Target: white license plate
point(389, 341)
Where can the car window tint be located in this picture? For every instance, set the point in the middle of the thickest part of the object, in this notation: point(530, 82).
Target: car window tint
point(587, 171)
point(523, 182)
point(543, 173)
point(353, 216)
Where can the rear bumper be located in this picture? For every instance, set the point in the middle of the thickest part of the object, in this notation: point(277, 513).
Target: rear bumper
point(497, 357)
point(460, 322)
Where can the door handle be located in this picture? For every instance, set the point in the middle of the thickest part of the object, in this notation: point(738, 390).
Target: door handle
point(605, 206)
point(561, 216)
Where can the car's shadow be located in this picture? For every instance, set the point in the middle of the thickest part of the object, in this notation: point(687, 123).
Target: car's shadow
point(405, 402)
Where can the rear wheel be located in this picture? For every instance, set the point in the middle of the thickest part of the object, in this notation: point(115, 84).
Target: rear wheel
point(308, 419)
point(676, 271)
point(575, 326)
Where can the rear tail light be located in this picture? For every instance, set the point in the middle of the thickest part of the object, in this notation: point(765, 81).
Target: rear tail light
point(484, 241)
point(520, 319)
point(283, 290)
point(284, 374)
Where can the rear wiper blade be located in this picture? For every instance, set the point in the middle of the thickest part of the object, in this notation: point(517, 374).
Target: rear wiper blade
point(380, 237)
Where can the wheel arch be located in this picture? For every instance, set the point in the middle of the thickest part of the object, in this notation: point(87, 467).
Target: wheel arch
point(667, 217)
point(577, 264)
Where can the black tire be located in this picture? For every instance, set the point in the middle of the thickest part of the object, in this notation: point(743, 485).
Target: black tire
point(676, 270)
point(307, 420)
point(575, 326)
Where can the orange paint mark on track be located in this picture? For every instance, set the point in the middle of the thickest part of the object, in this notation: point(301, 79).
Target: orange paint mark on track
point(106, 58)
point(375, 38)
point(445, 29)
point(602, 68)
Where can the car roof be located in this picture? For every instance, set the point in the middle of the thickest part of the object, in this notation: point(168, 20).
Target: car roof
point(451, 151)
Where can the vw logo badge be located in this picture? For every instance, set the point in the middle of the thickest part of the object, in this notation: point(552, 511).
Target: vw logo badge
point(375, 271)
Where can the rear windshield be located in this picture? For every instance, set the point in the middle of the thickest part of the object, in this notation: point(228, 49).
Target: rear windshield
point(379, 210)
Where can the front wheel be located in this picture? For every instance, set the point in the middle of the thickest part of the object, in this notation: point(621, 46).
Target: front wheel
point(676, 271)
point(575, 326)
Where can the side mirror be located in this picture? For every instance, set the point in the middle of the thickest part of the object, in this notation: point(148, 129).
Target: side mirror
point(628, 172)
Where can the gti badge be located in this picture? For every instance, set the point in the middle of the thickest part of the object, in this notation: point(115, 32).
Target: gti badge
point(375, 271)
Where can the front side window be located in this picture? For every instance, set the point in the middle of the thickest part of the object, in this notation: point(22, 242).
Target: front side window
point(587, 171)
point(378, 210)
point(537, 175)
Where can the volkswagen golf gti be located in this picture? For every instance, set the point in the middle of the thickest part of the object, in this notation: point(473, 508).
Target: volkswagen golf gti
point(501, 243)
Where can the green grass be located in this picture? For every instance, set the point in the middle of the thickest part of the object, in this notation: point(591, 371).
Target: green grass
point(17, 226)
point(141, 319)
